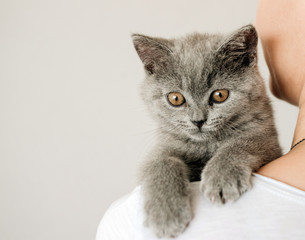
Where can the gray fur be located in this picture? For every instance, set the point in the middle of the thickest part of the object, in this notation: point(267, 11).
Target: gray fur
point(237, 138)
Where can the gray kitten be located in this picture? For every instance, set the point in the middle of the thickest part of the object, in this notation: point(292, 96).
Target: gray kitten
point(215, 122)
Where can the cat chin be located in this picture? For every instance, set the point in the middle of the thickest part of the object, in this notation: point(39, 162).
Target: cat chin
point(199, 136)
point(203, 135)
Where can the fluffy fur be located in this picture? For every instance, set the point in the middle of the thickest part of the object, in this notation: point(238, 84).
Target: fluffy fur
point(238, 136)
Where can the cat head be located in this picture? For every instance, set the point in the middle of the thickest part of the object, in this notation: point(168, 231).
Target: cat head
point(200, 84)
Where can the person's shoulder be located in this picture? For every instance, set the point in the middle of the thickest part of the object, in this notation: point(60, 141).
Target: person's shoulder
point(267, 185)
point(119, 219)
point(287, 169)
point(124, 219)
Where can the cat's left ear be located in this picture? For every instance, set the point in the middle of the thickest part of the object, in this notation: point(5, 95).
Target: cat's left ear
point(155, 53)
point(239, 49)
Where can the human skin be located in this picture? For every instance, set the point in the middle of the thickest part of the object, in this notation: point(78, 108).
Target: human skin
point(280, 25)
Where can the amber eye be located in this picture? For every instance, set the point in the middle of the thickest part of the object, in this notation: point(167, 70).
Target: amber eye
point(176, 99)
point(220, 96)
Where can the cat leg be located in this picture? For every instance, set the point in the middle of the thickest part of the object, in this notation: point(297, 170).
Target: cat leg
point(166, 196)
point(228, 174)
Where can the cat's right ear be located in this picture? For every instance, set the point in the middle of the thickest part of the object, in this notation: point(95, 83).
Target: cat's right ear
point(155, 53)
point(239, 50)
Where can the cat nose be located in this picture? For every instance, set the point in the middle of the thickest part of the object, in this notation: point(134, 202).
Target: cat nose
point(199, 123)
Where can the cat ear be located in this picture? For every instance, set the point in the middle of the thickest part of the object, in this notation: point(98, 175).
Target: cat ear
point(239, 49)
point(153, 52)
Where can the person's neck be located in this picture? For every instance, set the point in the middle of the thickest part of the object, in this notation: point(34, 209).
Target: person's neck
point(290, 167)
point(299, 132)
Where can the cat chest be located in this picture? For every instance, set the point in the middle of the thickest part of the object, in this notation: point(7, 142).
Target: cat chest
point(198, 152)
point(194, 154)
point(196, 157)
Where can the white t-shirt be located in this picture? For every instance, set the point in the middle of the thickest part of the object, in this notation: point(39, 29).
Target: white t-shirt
point(271, 210)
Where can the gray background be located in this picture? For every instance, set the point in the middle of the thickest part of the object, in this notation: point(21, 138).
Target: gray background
point(72, 126)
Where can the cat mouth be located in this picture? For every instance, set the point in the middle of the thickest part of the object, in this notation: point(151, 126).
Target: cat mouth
point(198, 132)
point(198, 135)
point(204, 130)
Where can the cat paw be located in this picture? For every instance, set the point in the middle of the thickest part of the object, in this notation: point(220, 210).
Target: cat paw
point(225, 185)
point(168, 220)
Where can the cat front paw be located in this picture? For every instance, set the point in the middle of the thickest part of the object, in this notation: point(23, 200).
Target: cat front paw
point(224, 184)
point(168, 219)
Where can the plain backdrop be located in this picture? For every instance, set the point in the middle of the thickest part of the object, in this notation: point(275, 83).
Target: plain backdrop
point(73, 129)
